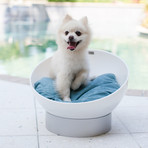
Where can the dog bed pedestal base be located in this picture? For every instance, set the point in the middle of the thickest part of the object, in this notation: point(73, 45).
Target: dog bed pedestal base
point(78, 127)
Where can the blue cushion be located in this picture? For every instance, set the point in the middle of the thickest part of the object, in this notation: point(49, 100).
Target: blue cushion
point(98, 88)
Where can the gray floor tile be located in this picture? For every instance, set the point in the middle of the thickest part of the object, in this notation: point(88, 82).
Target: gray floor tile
point(18, 142)
point(104, 141)
point(14, 95)
point(142, 139)
point(134, 118)
point(17, 122)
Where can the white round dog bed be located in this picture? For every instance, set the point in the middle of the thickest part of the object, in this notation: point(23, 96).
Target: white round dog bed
point(86, 118)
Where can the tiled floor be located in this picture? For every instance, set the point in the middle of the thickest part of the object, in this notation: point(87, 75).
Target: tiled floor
point(22, 123)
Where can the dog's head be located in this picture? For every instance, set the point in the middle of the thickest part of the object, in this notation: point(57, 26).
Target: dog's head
point(74, 34)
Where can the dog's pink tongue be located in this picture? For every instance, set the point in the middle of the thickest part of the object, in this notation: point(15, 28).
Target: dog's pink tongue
point(72, 45)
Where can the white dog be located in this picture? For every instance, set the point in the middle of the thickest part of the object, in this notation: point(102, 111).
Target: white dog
point(69, 66)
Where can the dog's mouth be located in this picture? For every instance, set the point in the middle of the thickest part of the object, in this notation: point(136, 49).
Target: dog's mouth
point(73, 45)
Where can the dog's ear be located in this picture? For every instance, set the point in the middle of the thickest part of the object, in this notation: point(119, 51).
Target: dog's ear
point(84, 20)
point(67, 18)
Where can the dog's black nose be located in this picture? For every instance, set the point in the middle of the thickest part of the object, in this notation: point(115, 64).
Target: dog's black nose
point(71, 37)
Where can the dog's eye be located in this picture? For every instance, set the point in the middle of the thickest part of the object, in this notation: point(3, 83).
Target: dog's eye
point(78, 33)
point(66, 32)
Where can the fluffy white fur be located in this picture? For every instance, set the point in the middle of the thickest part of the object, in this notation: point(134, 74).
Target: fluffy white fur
point(70, 68)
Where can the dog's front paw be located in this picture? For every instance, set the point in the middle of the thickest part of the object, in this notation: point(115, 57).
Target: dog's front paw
point(75, 85)
point(66, 99)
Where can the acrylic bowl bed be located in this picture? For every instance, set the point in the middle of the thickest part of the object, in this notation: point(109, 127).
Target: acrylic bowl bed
point(87, 118)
